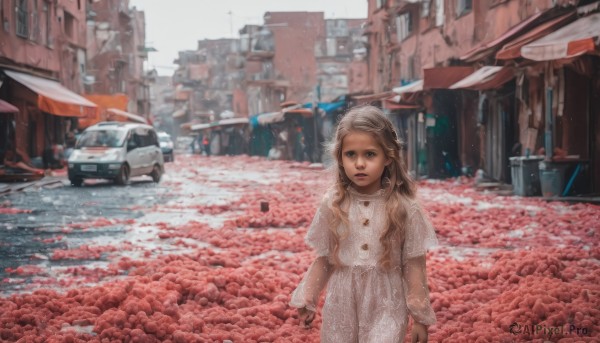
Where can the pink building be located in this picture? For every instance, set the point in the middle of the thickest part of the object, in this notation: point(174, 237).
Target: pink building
point(42, 56)
point(116, 51)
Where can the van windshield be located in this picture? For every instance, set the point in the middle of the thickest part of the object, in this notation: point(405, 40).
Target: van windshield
point(101, 138)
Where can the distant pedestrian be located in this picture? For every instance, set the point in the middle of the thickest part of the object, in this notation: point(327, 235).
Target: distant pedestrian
point(206, 145)
point(371, 237)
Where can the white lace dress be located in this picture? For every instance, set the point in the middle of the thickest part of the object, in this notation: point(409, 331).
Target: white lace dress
point(363, 302)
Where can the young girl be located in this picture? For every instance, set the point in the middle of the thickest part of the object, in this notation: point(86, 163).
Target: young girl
point(370, 236)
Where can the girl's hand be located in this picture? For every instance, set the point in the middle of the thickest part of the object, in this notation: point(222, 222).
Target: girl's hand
point(419, 333)
point(306, 317)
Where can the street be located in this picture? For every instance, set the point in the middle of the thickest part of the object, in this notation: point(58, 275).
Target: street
point(194, 259)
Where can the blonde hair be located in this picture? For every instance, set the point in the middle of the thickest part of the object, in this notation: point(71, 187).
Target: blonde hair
point(395, 179)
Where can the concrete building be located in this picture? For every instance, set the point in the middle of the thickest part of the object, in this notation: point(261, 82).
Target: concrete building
point(206, 82)
point(42, 58)
point(478, 99)
point(116, 51)
point(301, 56)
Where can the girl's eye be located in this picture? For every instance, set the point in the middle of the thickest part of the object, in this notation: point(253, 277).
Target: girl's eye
point(370, 154)
point(349, 153)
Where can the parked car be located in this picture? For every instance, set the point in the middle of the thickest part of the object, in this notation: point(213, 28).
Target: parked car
point(116, 151)
point(166, 145)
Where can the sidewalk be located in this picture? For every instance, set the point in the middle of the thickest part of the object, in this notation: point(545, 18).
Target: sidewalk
point(507, 190)
point(57, 179)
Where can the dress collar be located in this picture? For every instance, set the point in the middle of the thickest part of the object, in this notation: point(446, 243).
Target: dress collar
point(377, 195)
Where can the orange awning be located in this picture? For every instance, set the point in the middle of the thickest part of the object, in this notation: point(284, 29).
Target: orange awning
point(488, 77)
point(512, 49)
point(6, 107)
point(444, 77)
point(126, 116)
point(104, 101)
point(578, 38)
point(53, 98)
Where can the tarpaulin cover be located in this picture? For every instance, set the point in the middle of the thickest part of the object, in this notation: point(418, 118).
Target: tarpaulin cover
point(53, 98)
point(126, 116)
point(328, 107)
point(578, 38)
point(6, 107)
point(104, 101)
point(487, 77)
point(486, 48)
point(444, 77)
point(512, 49)
point(413, 87)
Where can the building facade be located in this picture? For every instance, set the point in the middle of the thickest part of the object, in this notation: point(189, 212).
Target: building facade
point(481, 101)
point(43, 61)
point(116, 51)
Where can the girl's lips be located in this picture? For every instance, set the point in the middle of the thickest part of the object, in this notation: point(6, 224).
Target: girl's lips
point(360, 175)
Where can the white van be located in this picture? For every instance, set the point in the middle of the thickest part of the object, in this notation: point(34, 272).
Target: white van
point(117, 151)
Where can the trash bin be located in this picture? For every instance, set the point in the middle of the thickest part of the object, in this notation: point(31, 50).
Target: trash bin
point(554, 176)
point(551, 181)
point(525, 175)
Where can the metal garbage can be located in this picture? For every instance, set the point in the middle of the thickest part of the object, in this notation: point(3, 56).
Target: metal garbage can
point(525, 175)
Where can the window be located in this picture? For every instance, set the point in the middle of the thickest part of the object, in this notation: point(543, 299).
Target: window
point(463, 7)
point(35, 22)
point(22, 16)
point(69, 25)
point(152, 138)
point(410, 68)
point(425, 6)
point(48, 16)
point(439, 12)
point(4, 22)
point(403, 26)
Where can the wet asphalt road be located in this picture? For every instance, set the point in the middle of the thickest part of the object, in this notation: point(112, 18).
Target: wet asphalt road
point(29, 238)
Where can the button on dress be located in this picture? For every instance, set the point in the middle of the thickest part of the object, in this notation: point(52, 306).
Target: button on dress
point(365, 302)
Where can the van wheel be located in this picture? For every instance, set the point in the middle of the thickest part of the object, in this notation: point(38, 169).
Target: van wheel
point(123, 177)
point(76, 182)
point(156, 173)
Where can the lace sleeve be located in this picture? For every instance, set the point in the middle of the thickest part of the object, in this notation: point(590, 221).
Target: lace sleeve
point(308, 291)
point(416, 291)
point(419, 234)
point(419, 237)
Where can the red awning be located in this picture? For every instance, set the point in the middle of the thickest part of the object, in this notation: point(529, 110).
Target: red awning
point(578, 38)
point(486, 48)
point(127, 116)
point(6, 107)
point(444, 77)
point(53, 97)
point(488, 77)
point(512, 49)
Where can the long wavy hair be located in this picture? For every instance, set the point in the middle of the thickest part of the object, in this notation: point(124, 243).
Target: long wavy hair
point(395, 179)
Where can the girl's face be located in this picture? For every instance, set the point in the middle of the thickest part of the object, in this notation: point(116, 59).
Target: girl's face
point(364, 161)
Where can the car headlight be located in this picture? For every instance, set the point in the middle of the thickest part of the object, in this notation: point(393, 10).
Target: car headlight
point(111, 156)
point(114, 166)
point(71, 165)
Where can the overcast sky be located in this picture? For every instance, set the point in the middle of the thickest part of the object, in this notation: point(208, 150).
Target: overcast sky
point(176, 25)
